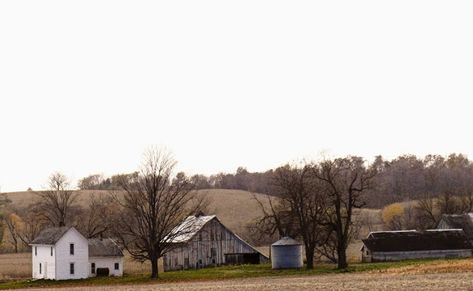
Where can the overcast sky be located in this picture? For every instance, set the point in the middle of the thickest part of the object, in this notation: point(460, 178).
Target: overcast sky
point(86, 86)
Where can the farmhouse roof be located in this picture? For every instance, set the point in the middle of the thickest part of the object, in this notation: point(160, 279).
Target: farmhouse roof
point(462, 221)
point(104, 248)
point(50, 236)
point(286, 241)
point(189, 228)
point(449, 239)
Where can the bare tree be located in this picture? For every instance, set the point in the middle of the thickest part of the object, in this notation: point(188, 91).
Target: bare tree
point(346, 180)
point(301, 208)
point(92, 182)
point(97, 218)
point(31, 225)
point(56, 204)
point(151, 207)
point(277, 219)
point(14, 225)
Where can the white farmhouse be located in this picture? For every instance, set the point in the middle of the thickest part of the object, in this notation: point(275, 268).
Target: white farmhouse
point(63, 253)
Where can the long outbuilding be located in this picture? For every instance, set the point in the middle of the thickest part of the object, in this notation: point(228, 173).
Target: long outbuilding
point(411, 244)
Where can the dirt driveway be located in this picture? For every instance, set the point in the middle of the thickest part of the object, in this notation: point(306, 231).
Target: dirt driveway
point(364, 281)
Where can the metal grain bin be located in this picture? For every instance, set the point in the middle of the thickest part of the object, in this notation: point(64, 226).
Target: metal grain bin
point(286, 253)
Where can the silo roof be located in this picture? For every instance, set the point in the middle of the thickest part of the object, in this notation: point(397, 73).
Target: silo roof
point(286, 241)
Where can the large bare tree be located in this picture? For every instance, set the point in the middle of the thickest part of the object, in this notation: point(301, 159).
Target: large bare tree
point(346, 180)
point(300, 209)
point(56, 204)
point(151, 207)
point(96, 219)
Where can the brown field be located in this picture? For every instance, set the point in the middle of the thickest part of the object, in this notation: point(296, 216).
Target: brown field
point(18, 266)
point(361, 281)
point(13, 266)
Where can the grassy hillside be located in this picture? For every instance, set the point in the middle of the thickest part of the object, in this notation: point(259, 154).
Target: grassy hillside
point(234, 208)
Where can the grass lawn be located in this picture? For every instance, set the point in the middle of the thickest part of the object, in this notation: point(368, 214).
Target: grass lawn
point(217, 273)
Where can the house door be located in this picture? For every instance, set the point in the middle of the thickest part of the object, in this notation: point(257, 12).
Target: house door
point(45, 270)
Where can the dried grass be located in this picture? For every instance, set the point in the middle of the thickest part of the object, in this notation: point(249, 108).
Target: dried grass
point(441, 266)
point(15, 266)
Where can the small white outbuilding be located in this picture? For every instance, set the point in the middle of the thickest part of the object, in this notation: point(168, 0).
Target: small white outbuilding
point(63, 253)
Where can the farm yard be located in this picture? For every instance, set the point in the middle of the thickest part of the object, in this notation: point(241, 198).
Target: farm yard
point(419, 275)
point(455, 281)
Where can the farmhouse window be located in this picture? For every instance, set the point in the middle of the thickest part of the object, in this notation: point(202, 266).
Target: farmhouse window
point(71, 249)
point(35, 251)
point(200, 236)
point(40, 268)
point(117, 266)
point(51, 251)
point(71, 268)
point(213, 252)
point(92, 268)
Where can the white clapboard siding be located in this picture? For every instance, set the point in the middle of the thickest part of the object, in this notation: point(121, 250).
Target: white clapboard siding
point(80, 257)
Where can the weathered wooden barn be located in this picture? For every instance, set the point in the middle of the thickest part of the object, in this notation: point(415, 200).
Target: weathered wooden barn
point(458, 221)
point(384, 246)
point(208, 243)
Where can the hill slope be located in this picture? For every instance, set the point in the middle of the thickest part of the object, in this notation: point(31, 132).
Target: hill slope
point(234, 208)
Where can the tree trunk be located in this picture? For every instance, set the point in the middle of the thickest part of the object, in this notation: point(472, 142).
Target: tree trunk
point(342, 257)
point(309, 256)
point(154, 268)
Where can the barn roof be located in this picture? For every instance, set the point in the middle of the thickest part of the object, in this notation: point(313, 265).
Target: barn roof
point(450, 239)
point(50, 236)
point(189, 228)
point(286, 241)
point(104, 248)
point(462, 221)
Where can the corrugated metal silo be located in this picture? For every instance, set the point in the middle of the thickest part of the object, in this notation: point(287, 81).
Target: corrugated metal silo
point(286, 253)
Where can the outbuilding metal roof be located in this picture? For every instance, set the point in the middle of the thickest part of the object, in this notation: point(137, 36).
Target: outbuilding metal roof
point(104, 248)
point(286, 241)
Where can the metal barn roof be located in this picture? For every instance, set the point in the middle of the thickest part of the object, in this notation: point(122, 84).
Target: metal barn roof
point(188, 228)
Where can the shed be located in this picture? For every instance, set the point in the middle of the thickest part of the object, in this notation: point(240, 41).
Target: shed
point(458, 221)
point(286, 253)
point(403, 245)
point(105, 254)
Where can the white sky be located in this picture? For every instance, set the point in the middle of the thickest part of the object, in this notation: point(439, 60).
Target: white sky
point(86, 86)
